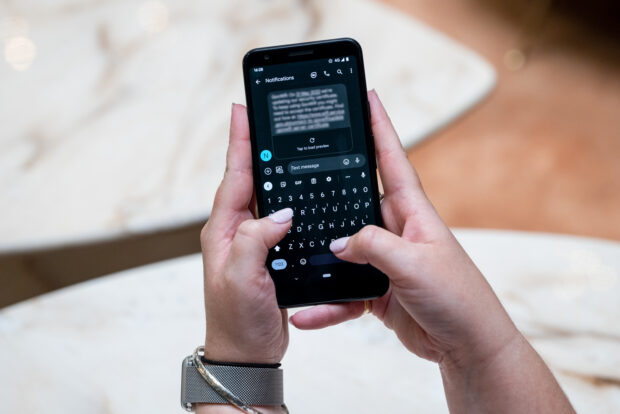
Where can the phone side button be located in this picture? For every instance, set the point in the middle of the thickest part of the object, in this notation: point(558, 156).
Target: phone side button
point(278, 264)
point(323, 259)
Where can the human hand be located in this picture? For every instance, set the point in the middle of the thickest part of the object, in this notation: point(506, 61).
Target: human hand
point(439, 304)
point(244, 323)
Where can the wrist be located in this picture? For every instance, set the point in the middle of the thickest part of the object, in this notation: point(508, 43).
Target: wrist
point(480, 355)
point(238, 356)
point(514, 380)
point(469, 382)
point(227, 351)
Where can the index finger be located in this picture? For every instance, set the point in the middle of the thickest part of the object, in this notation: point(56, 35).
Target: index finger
point(235, 191)
point(396, 171)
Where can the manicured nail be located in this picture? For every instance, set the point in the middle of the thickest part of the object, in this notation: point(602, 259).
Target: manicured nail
point(338, 245)
point(282, 216)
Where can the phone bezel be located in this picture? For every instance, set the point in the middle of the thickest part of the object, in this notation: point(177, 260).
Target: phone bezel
point(300, 52)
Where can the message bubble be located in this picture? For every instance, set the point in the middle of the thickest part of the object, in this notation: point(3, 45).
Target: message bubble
point(308, 109)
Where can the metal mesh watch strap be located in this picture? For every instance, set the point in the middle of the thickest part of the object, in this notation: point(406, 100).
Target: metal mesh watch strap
point(256, 386)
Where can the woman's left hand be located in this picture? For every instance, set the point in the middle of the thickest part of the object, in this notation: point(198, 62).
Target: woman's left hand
point(244, 323)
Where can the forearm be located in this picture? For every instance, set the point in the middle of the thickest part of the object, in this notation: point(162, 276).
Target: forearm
point(515, 380)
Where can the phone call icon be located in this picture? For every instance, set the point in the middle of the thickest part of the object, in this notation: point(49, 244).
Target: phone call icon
point(326, 73)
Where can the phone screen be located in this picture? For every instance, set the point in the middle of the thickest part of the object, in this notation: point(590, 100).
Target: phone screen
point(312, 152)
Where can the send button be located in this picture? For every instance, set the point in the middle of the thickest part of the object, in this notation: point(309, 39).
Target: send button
point(278, 264)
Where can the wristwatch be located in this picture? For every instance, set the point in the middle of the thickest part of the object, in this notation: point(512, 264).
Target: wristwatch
point(240, 385)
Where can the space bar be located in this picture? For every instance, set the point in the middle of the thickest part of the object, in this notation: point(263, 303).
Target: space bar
point(323, 259)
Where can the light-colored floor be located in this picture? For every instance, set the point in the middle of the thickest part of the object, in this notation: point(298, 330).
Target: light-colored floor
point(542, 152)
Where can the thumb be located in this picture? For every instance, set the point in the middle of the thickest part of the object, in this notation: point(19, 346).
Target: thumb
point(254, 238)
point(393, 255)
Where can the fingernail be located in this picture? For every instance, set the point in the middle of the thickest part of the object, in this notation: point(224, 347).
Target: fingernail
point(338, 245)
point(282, 216)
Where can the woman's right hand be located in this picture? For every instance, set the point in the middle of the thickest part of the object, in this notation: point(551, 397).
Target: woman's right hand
point(439, 304)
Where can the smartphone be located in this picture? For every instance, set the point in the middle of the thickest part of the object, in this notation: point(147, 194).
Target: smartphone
point(313, 151)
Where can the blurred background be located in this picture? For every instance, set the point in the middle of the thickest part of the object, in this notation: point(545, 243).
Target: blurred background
point(113, 118)
point(113, 132)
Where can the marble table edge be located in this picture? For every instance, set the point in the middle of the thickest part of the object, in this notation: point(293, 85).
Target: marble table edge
point(460, 233)
point(542, 234)
point(96, 237)
point(484, 93)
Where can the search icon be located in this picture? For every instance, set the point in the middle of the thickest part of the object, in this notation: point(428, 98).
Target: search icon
point(338, 71)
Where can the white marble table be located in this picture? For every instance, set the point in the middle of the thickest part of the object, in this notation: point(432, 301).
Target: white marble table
point(114, 345)
point(114, 114)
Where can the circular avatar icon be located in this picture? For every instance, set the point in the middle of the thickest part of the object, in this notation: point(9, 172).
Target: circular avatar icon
point(265, 155)
point(268, 186)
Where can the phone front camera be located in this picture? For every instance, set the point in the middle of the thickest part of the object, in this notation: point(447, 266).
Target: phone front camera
point(266, 57)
